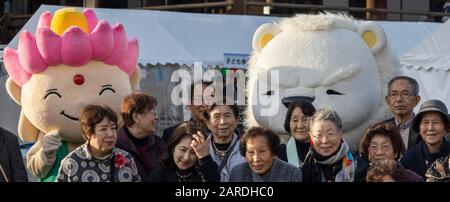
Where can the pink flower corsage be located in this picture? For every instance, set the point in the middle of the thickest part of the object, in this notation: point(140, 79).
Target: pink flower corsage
point(120, 161)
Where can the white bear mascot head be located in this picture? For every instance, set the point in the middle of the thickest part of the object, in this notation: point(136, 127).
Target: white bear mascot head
point(328, 59)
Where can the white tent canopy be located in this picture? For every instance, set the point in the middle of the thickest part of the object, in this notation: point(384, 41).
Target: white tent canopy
point(405, 35)
point(174, 37)
point(429, 64)
point(432, 53)
point(185, 38)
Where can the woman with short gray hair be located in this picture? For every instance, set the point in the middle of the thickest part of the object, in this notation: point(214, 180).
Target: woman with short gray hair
point(258, 146)
point(329, 158)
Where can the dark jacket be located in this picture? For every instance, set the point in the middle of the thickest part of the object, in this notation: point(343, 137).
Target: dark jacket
point(413, 138)
point(12, 168)
point(281, 152)
point(312, 171)
point(410, 176)
point(204, 171)
point(361, 169)
point(415, 158)
point(154, 147)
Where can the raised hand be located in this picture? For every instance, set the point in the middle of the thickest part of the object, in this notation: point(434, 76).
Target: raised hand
point(200, 145)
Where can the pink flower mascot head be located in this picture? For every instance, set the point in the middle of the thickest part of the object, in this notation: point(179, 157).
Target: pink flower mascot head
point(73, 60)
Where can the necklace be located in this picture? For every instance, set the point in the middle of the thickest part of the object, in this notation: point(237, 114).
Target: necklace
point(184, 176)
point(222, 154)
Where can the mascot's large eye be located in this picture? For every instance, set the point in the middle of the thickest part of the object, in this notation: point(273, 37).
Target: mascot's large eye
point(333, 92)
point(269, 93)
point(52, 92)
point(105, 88)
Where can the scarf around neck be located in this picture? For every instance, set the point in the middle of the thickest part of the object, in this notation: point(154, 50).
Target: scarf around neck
point(347, 173)
point(292, 153)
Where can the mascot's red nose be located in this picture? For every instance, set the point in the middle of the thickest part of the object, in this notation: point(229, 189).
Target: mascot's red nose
point(78, 79)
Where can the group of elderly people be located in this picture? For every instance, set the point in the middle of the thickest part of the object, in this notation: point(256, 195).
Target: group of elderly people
point(209, 148)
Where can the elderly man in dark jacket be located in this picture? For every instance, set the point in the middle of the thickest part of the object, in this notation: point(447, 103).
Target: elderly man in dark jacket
point(11, 162)
point(402, 97)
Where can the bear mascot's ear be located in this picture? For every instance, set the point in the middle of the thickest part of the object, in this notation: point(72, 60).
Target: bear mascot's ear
point(263, 35)
point(373, 35)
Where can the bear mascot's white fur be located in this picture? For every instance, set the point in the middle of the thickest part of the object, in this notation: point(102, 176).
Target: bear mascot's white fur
point(73, 60)
point(329, 59)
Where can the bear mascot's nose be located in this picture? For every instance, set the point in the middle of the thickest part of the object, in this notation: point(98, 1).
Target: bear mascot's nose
point(287, 100)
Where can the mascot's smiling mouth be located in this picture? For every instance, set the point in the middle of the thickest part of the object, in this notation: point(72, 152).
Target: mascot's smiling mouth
point(68, 116)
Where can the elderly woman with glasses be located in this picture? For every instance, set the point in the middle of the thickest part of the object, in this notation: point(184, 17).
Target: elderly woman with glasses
point(383, 142)
point(329, 158)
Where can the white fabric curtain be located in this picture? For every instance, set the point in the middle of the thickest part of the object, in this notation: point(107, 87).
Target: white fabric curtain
point(433, 84)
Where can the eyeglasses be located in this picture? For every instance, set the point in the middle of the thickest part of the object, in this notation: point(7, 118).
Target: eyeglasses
point(404, 94)
point(385, 148)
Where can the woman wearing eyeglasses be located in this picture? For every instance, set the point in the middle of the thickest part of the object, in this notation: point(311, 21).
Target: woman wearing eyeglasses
point(329, 158)
point(383, 142)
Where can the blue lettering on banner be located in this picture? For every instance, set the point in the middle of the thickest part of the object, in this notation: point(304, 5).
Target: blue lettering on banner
point(235, 60)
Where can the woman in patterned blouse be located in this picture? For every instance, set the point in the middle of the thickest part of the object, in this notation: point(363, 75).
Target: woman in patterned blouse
point(98, 160)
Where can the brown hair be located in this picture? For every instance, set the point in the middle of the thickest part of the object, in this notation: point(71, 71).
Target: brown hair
point(388, 167)
point(272, 139)
point(185, 129)
point(92, 115)
point(387, 130)
point(135, 103)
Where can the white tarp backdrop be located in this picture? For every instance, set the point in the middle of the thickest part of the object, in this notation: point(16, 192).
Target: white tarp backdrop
point(429, 63)
point(173, 40)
